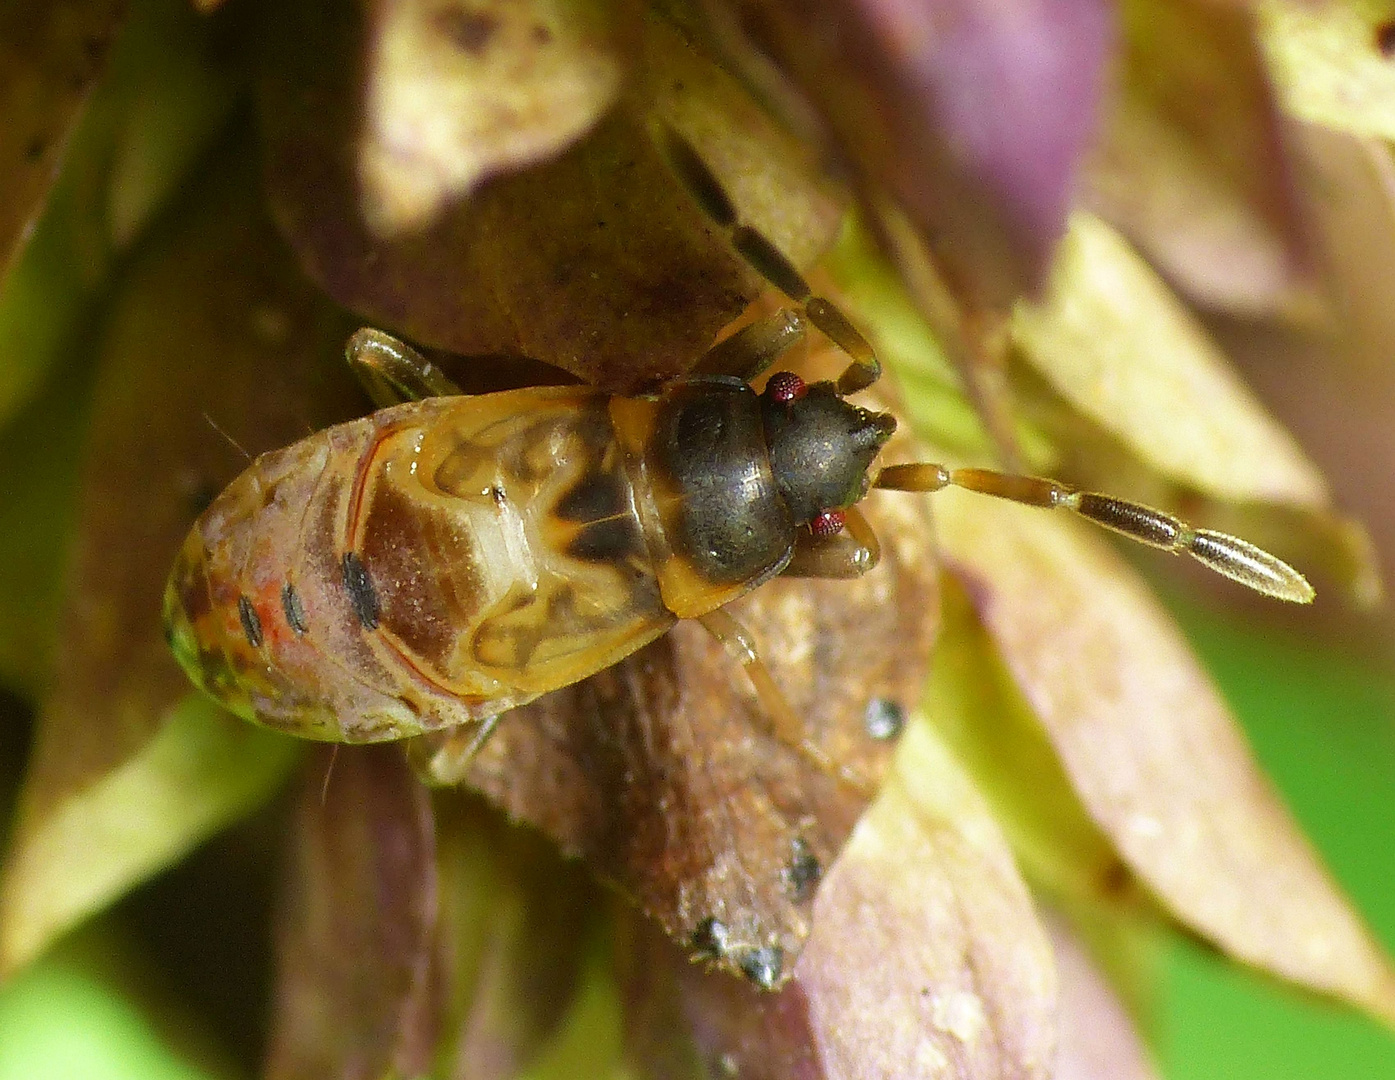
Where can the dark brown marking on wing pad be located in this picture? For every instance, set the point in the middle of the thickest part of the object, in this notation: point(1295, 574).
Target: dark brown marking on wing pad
point(251, 622)
point(595, 496)
point(193, 589)
point(362, 596)
point(426, 584)
point(609, 532)
point(294, 610)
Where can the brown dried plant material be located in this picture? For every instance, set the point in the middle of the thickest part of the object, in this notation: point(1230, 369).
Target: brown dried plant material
point(1152, 751)
point(974, 117)
point(926, 958)
point(50, 55)
point(458, 91)
point(660, 772)
point(356, 993)
point(1112, 339)
point(597, 262)
point(1191, 166)
point(213, 336)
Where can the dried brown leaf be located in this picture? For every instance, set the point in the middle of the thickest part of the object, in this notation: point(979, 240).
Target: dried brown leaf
point(662, 774)
point(356, 991)
point(973, 116)
point(212, 331)
point(925, 960)
point(1152, 751)
point(50, 55)
point(598, 262)
point(460, 91)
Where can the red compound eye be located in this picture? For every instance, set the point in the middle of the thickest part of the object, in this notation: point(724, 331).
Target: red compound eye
point(785, 386)
point(827, 523)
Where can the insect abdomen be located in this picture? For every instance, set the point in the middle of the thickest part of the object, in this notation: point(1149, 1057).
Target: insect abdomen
point(436, 563)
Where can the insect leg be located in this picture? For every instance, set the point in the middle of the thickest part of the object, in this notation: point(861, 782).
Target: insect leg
point(754, 349)
point(768, 261)
point(392, 371)
point(849, 554)
point(785, 725)
point(446, 762)
point(1227, 555)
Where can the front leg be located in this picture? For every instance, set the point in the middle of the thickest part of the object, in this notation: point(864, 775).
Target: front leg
point(843, 555)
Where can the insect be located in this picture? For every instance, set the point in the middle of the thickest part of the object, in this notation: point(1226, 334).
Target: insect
point(450, 557)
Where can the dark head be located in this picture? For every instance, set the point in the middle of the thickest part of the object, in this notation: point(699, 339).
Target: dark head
point(820, 446)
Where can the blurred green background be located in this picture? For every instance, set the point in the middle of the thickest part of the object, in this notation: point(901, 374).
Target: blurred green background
point(1324, 728)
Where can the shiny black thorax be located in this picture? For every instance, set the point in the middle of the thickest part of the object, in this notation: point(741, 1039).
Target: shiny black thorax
point(751, 471)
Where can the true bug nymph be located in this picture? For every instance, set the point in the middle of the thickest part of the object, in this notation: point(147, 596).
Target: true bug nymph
point(451, 557)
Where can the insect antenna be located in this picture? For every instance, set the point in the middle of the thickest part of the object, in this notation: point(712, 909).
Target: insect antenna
point(231, 441)
point(1227, 555)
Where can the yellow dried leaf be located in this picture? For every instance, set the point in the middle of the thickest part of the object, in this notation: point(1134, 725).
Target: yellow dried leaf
point(1327, 63)
point(1152, 750)
point(459, 91)
point(1111, 338)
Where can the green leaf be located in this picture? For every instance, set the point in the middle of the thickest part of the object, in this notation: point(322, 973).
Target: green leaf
point(203, 770)
point(57, 1023)
point(981, 714)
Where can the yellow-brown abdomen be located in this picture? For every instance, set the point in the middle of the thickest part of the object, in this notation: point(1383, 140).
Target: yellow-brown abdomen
point(433, 564)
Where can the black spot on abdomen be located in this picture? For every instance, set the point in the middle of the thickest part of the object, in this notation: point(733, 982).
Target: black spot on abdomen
point(251, 622)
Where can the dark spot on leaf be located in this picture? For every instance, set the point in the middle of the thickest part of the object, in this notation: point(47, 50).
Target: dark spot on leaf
point(803, 871)
point(884, 719)
point(251, 622)
point(542, 35)
point(1116, 880)
point(35, 150)
point(468, 31)
point(763, 966)
point(1385, 39)
point(710, 938)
